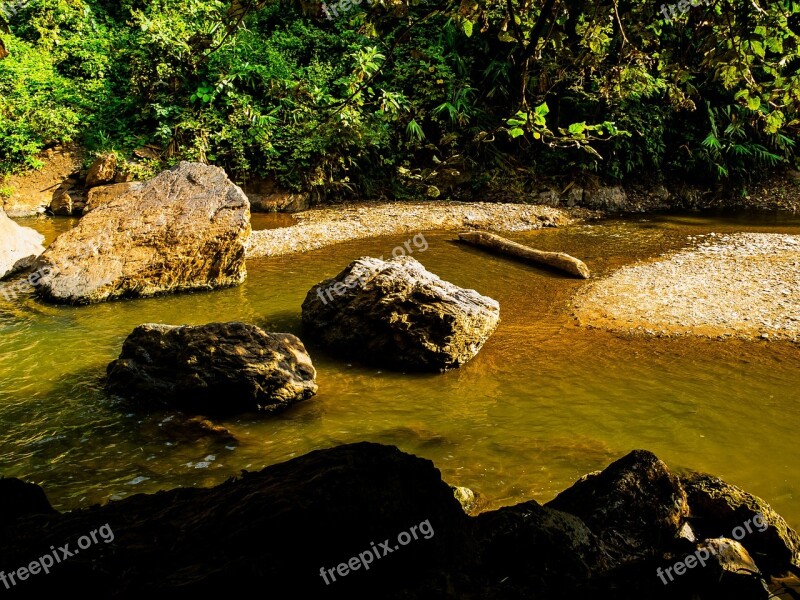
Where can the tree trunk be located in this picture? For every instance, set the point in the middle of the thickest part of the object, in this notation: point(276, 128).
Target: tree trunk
point(556, 260)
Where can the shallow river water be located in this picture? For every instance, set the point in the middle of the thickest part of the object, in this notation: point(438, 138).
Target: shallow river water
point(543, 403)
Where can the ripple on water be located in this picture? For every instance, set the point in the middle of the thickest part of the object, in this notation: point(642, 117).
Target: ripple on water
point(543, 403)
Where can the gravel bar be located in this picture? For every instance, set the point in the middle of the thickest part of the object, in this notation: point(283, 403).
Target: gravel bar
point(744, 285)
point(318, 228)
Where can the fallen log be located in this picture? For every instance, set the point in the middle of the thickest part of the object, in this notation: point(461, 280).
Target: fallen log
point(556, 260)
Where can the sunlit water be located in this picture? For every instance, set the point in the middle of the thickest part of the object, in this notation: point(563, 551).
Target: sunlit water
point(543, 403)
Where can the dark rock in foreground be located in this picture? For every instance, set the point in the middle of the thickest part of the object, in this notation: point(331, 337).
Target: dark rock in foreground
point(186, 229)
point(636, 505)
point(368, 521)
point(397, 314)
point(219, 368)
point(719, 508)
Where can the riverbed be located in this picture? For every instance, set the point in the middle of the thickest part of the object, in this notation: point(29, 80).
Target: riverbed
point(544, 402)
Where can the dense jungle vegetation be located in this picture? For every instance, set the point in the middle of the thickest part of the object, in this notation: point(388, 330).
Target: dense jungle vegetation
point(408, 97)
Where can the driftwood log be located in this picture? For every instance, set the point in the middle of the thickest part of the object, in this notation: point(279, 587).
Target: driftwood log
point(556, 260)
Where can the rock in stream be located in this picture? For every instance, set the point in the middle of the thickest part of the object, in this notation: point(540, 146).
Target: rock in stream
point(217, 369)
point(398, 314)
point(186, 229)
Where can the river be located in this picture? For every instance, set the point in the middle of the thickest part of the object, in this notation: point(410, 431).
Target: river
point(544, 402)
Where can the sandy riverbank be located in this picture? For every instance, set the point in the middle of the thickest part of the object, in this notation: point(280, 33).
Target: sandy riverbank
point(743, 285)
point(322, 227)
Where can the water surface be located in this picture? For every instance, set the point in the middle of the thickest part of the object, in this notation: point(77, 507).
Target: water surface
point(543, 403)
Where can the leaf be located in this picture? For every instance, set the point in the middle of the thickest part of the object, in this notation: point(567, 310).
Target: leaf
point(516, 132)
point(774, 122)
point(467, 27)
point(577, 128)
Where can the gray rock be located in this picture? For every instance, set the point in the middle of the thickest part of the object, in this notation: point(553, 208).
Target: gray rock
point(609, 198)
point(186, 229)
point(19, 246)
point(398, 314)
point(219, 368)
point(279, 202)
point(574, 196)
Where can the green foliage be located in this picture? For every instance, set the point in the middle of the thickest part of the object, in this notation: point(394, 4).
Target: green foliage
point(408, 97)
point(730, 149)
point(37, 105)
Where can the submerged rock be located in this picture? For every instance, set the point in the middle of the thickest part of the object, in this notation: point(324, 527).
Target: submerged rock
point(219, 368)
point(398, 314)
point(185, 229)
point(19, 246)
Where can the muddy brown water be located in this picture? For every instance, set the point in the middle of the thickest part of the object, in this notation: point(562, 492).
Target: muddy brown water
point(543, 403)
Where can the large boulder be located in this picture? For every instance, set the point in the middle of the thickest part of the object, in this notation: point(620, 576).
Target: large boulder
point(398, 314)
point(376, 522)
point(219, 368)
point(719, 509)
point(19, 246)
point(636, 506)
point(185, 229)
